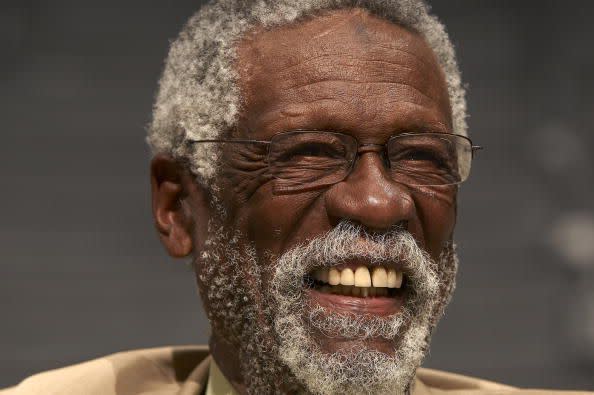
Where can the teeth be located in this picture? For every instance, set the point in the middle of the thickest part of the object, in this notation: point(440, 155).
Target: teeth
point(379, 277)
point(394, 279)
point(333, 276)
point(347, 277)
point(321, 275)
point(362, 277)
point(359, 283)
point(399, 279)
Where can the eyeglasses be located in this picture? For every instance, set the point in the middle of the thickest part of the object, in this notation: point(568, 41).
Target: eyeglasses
point(303, 159)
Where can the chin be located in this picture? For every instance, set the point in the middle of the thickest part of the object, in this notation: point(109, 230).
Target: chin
point(330, 345)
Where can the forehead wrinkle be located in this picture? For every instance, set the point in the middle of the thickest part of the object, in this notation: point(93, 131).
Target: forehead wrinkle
point(367, 74)
point(382, 90)
point(402, 85)
point(429, 64)
point(314, 69)
point(412, 117)
point(356, 67)
point(380, 83)
point(338, 74)
point(335, 101)
point(352, 69)
point(297, 103)
point(386, 91)
point(301, 53)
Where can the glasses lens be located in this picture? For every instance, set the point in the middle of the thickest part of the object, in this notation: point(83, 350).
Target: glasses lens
point(430, 159)
point(304, 160)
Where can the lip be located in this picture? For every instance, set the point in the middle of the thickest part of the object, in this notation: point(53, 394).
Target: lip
point(379, 306)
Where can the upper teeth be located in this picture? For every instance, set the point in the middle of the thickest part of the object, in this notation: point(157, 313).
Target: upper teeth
point(379, 277)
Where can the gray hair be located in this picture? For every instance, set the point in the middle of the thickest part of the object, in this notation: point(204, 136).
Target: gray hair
point(198, 95)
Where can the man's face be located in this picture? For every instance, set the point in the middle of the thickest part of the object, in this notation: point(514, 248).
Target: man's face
point(365, 77)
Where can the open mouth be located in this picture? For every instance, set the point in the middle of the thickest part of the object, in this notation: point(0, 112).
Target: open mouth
point(358, 288)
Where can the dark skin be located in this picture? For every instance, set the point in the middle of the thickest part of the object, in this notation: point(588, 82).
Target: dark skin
point(355, 73)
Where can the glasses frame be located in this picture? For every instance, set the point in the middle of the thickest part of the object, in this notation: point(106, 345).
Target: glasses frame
point(361, 147)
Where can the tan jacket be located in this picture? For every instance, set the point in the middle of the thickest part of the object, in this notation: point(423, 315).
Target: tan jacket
point(184, 371)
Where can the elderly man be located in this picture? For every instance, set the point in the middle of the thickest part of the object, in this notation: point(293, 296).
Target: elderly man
point(307, 156)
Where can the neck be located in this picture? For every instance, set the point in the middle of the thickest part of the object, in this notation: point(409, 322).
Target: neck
point(226, 356)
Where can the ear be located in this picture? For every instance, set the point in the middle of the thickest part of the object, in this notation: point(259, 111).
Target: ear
point(180, 206)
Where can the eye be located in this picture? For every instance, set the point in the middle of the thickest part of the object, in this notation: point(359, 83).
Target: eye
point(419, 155)
point(314, 150)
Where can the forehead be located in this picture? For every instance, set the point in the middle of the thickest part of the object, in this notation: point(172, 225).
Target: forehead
point(344, 70)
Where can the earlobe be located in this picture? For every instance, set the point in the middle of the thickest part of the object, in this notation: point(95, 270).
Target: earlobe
point(172, 220)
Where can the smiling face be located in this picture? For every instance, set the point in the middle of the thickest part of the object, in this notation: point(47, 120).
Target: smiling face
point(268, 263)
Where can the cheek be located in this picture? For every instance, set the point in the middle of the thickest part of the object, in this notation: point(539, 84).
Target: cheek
point(436, 210)
point(275, 223)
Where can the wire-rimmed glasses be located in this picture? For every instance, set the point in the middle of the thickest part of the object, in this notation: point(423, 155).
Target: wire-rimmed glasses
point(309, 159)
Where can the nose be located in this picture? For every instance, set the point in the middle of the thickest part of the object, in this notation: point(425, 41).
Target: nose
point(370, 197)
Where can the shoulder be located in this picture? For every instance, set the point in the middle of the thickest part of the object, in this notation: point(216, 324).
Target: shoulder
point(435, 382)
point(148, 371)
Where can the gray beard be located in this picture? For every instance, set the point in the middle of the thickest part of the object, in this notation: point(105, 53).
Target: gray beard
point(271, 323)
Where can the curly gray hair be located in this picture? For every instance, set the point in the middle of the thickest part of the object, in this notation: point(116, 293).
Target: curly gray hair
point(198, 96)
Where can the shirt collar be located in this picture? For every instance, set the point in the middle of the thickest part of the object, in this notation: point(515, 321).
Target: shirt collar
point(217, 383)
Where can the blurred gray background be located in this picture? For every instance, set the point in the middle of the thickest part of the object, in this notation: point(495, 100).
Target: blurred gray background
point(82, 273)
